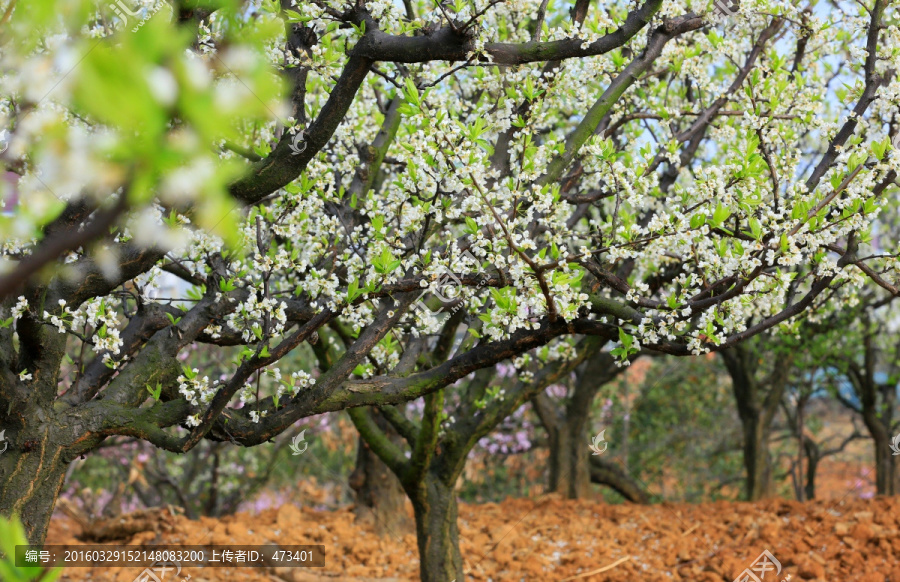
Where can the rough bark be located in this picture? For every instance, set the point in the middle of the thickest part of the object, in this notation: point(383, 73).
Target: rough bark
point(756, 410)
point(569, 464)
point(32, 471)
point(760, 483)
point(567, 428)
point(437, 532)
point(380, 498)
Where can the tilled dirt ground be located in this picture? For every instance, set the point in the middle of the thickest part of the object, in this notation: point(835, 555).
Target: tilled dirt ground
point(553, 539)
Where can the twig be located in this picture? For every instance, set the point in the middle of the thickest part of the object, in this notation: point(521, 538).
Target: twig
point(539, 23)
point(693, 527)
point(598, 570)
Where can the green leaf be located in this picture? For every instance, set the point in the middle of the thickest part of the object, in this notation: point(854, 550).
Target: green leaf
point(856, 158)
point(155, 393)
point(626, 339)
point(12, 534)
point(755, 228)
point(799, 211)
point(196, 292)
point(879, 148)
point(720, 214)
point(836, 180)
point(411, 92)
point(353, 290)
point(672, 301)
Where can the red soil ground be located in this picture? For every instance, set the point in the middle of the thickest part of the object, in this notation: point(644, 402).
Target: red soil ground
point(553, 539)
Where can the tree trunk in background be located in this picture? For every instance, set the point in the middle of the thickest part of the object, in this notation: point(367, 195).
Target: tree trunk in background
point(607, 473)
point(896, 475)
point(437, 532)
point(431, 469)
point(380, 498)
point(570, 471)
point(877, 416)
point(30, 480)
point(756, 411)
point(884, 467)
point(757, 461)
point(885, 482)
point(568, 429)
point(813, 456)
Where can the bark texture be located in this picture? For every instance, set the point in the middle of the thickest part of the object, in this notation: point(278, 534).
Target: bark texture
point(437, 531)
point(380, 498)
point(570, 470)
point(758, 397)
point(877, 402)
point(32, 471)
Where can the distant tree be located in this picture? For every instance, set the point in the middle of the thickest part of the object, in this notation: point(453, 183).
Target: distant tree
point(759, 378)
point(440, 441)
point(810, 388)
point(572, 467)
point(868, 355)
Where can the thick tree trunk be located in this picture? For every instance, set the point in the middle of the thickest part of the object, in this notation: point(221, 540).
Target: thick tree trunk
point(757, 461)
point(568, 429)
point(878, 420)
point(437, 532)
point(380, 498)
point(570, 469)
point(884, 463)
point(31, 476)
point(877, 410)
point(756, 412)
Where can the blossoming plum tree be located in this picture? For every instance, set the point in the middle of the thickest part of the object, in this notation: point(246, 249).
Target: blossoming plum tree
point(641, 173)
